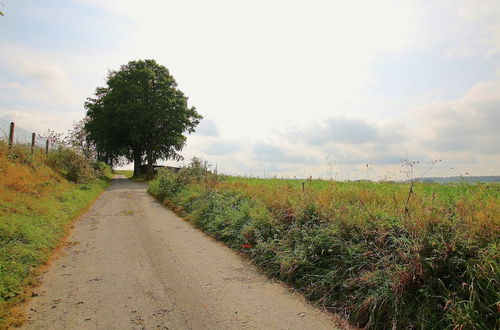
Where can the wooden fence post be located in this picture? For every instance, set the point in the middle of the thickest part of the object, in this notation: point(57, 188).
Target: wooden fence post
point(11, 133)
point(33, 136)
point(47, 147)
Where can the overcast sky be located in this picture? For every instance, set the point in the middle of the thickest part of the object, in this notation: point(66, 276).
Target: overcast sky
point(340, 89)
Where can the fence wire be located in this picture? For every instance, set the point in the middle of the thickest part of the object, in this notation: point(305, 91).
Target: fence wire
point(4, 130)
point(23, 136)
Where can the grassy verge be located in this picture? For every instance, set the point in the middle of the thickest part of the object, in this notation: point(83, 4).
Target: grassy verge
point(383, 256)
point(128, 173)
point(37, 205)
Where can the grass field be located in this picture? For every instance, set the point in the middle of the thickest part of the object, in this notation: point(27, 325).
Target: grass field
point(128, 173)
point(37, 206)
point(383, 254)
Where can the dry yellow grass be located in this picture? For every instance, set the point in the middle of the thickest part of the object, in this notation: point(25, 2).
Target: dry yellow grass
point(36, 206)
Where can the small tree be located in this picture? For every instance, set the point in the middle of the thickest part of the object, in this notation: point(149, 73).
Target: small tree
point(140, 114)
point(79, 139)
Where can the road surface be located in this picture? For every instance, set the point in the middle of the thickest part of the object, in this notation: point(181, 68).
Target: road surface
point(132, 264)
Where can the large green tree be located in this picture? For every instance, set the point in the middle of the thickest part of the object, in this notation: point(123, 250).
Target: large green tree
point(140, 114)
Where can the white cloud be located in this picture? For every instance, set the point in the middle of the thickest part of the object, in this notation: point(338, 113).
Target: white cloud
point(37, 121)
point(35, 77)
point(275, 63)
point(467, 126)
point(255, 69)
point(483, 17)
point(350, 130)
point(461, 132)
point(460, 28)
point(222, 147)
point(270, 153)
point(207, 127)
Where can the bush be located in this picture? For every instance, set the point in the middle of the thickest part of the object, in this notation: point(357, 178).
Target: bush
point(102, 169)
point(71, 164)
point(168, 182)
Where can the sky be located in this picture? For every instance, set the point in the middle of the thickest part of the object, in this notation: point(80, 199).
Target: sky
point(330, 89)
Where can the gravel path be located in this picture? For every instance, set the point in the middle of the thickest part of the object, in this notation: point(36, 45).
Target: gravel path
point(132, 264)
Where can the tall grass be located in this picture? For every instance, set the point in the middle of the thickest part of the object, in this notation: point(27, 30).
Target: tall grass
point(358, 248)
point(36, 205)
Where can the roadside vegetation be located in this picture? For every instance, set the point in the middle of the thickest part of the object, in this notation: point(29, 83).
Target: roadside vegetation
point(385, 255)
point(40, 195)
point(128, 173)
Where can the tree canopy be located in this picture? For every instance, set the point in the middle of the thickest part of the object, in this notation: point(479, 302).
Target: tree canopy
point(140, 115)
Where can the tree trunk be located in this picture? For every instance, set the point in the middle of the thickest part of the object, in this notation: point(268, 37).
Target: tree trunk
point(150, 164)
point(137, 163)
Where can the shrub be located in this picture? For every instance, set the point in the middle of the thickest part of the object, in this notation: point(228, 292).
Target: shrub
point(102, 169)
point(71, 164)
point(166, 184)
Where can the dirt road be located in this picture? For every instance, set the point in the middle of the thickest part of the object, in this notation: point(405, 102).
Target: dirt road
point(132, 264)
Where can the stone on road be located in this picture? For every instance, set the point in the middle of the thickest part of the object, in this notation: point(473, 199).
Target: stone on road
point(132, 264)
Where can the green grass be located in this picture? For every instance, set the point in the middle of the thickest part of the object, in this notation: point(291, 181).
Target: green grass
point(452, 189)
point(128, 173)
point(36, 207)
point(359, 248)
point(296, 183)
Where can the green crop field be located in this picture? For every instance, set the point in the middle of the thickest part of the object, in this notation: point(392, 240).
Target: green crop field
point(383, 254)
point(452, 190)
